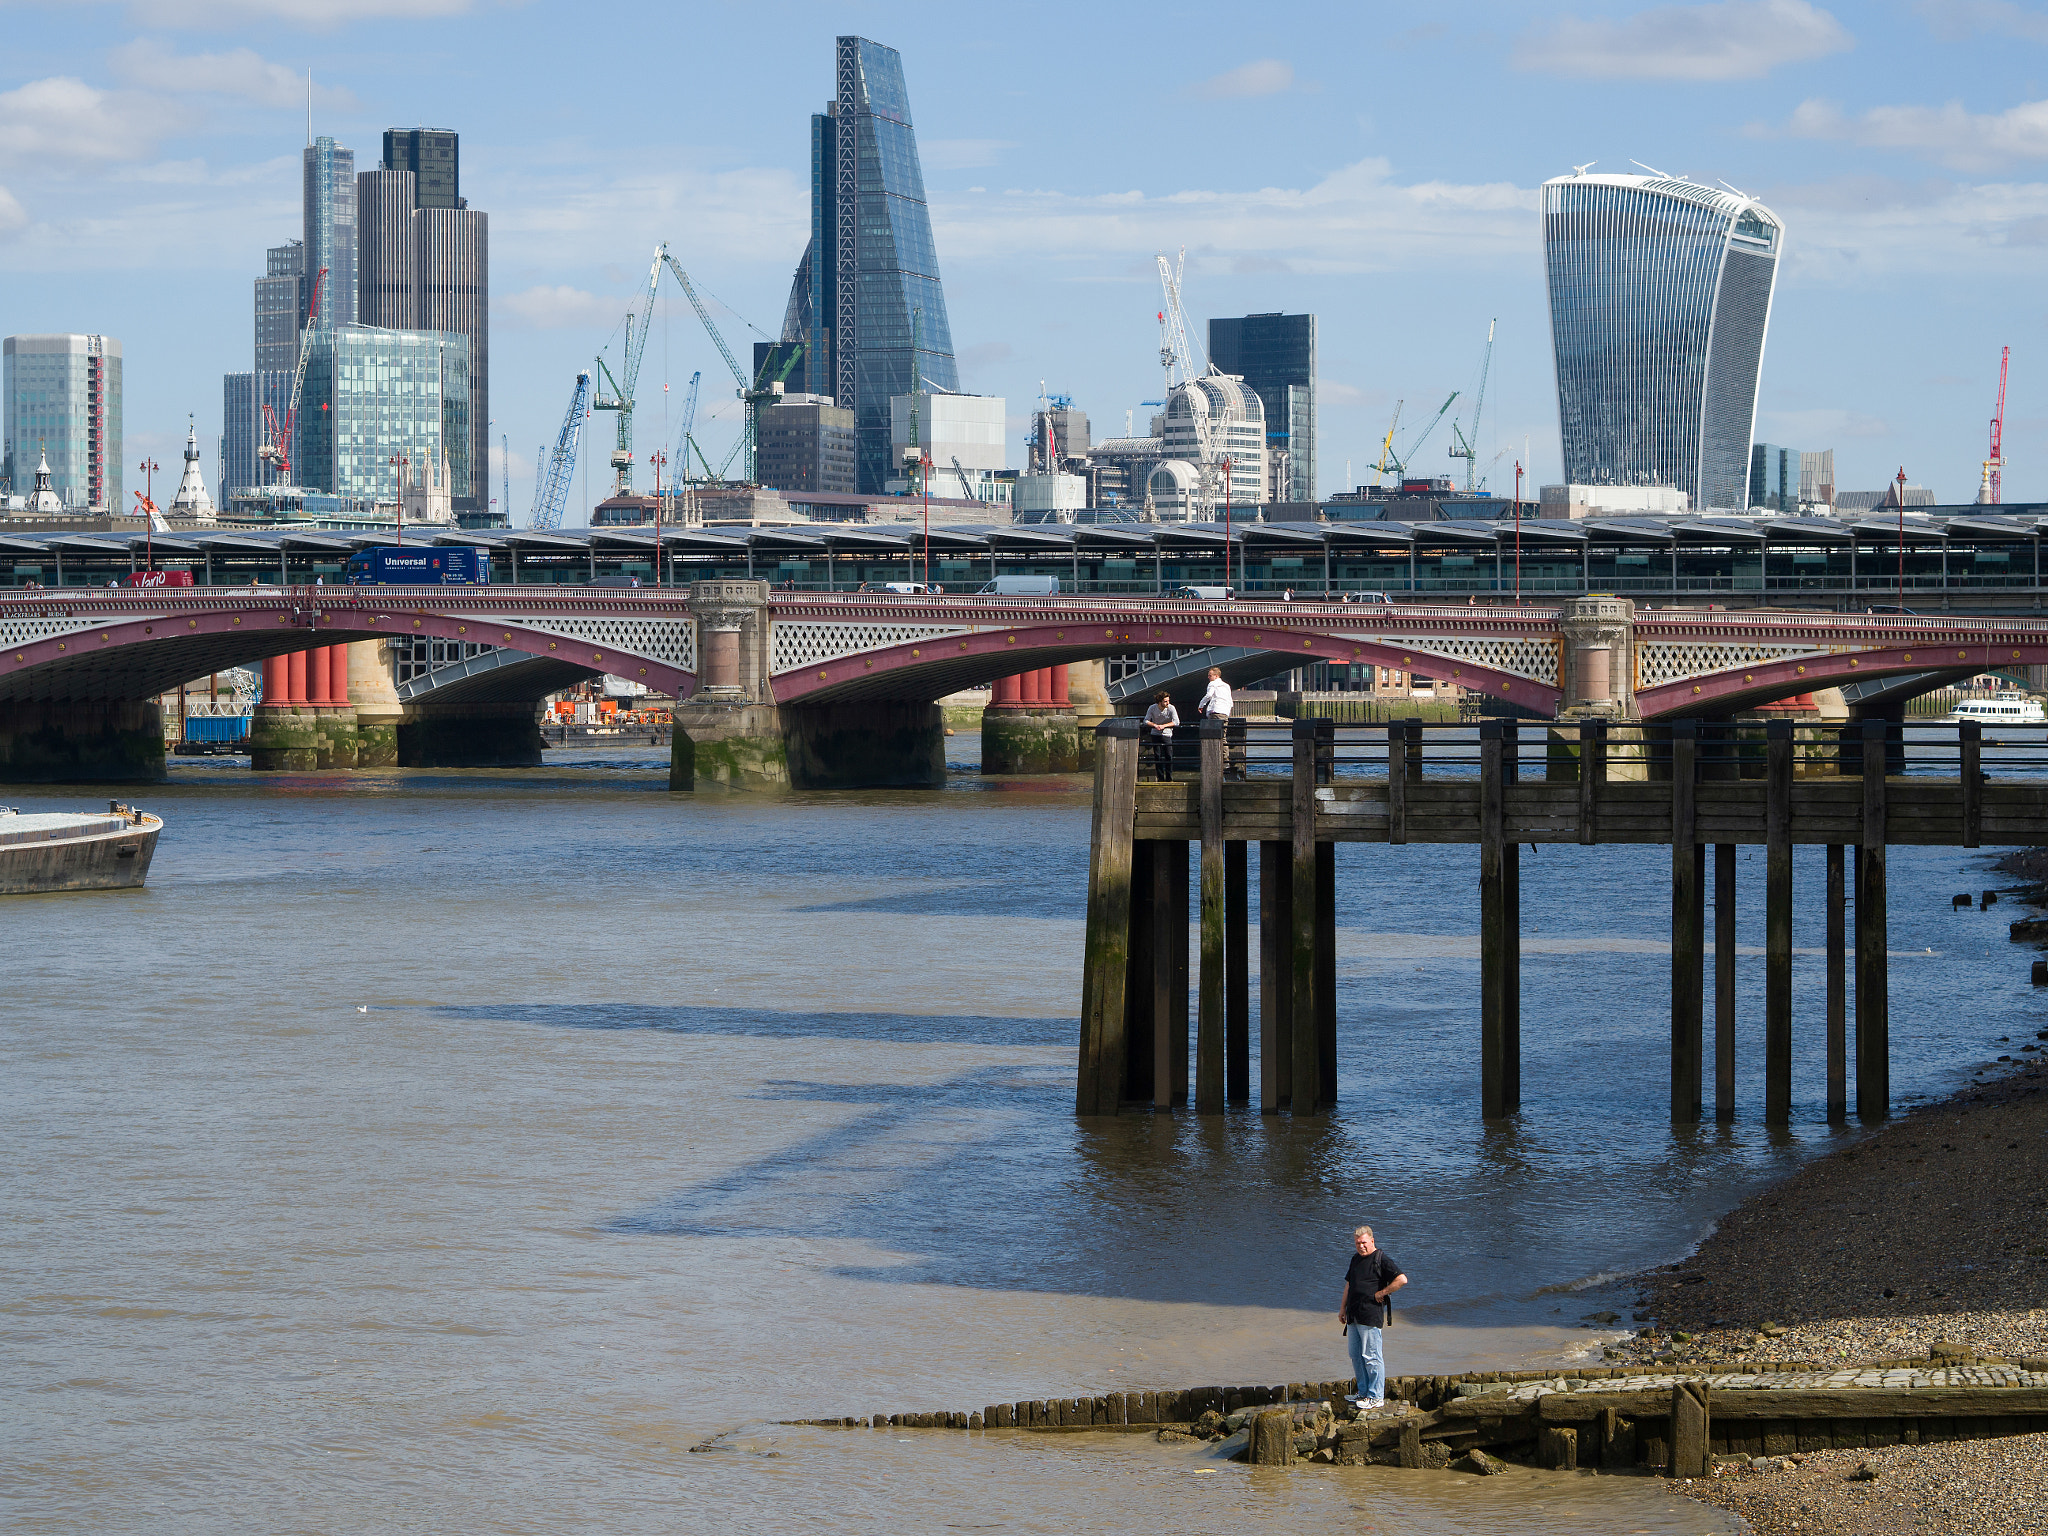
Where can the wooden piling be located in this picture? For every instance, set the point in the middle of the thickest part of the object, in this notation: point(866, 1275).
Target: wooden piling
point(1169, 974)
point(1688, 927)
point(1873, 1029)
point(1326, 933)
point(1592, 775)
point(1724, 981)
point(1691, 1429)
point(1209, 1027)
point(1511, 936)
point(1307, 1056)
point(1970, 738)
point(1778, 923)
point(1397, 782)
point(1838, 1096)
point(1106, 950)
point(1276, 988)
point(1141, 992)
point(1492, 925)
point(1237, 1004)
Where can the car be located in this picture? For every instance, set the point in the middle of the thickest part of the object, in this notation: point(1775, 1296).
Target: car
point(1378, 599)
point(1893, 609)
point(900, 588)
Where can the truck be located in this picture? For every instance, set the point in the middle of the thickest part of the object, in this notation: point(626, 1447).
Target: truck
point(455, 566)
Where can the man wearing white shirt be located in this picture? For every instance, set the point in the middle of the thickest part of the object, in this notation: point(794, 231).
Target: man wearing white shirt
point(1216, 700)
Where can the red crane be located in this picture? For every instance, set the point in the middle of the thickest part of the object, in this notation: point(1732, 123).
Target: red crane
point(1994, 466)
point(277, 435)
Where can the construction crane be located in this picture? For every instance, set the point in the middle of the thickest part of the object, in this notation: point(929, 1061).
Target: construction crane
point(1993, 487)
point(278, 435)
point(966, 489)
point(626, 381)
point(682, 454)
point(761, 388)
point(1175, 355)
point(1387, 459)
point(1400, 465)
point(551, 480)
point(1463, 447)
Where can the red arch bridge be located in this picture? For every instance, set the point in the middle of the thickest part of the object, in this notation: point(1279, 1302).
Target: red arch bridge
point(821, 690)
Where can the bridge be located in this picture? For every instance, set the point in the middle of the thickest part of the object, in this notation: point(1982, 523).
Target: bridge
point(823, 690)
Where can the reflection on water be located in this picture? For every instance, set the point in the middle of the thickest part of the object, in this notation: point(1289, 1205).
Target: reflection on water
point(472, 1144)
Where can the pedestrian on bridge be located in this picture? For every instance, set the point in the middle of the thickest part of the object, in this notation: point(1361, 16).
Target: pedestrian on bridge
point(1160, 720)
point(1370, 1281)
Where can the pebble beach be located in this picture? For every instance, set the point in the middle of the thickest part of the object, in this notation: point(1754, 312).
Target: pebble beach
point(1926, 1238)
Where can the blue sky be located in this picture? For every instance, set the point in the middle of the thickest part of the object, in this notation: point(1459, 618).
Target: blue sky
point(1341, 159)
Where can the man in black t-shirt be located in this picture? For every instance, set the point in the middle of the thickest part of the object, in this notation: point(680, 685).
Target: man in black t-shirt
point(1369, 1280)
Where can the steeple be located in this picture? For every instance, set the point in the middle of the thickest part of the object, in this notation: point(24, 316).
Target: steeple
point(192, 500)
point(43, 501)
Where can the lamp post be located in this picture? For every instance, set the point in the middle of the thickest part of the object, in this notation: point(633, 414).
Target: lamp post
point(924, 477)
point(399, 462)
point(1901, 483)
point(1226, 527)
point(149, 469)
point(658, 459)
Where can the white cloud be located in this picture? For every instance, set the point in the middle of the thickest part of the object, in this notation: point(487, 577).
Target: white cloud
point(553, 308)
point(242, 73)
point(1726, 40)
point(2001, 18)
point(1967, 141)
point(1853, 230)
point(13, 217)
point(1824, 425)
point(961, 154)
point(319, 15)
point(64, 121)
point(1261, 77)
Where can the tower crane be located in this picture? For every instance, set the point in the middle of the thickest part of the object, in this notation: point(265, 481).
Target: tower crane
point(751, 393)
point(551, 481)
point(1387, 459)
point(278, 437)
point(1463, 447)
point(1993, 487)
point(1175, 355)
point(626, 381)
point(683, 439)
point(1415, 443)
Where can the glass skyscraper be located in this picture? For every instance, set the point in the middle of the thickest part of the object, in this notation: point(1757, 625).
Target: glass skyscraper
point(1660, 295)
point(1276, 355)
point(329, 211)
point(60, 396)
point(867, 292)
point(243, 397)
point(373, 394)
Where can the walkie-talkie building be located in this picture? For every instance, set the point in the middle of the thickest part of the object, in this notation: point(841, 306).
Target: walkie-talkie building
point(866, 304)
point(1660, 295)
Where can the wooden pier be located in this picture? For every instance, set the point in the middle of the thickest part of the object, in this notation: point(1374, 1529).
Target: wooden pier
point(1690, 786)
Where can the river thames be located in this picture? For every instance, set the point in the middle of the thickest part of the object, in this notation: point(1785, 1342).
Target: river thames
point(454, 1151)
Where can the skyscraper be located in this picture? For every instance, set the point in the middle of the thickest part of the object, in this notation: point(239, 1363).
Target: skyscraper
point(866, 302)
point(280, 307)
point(1276, 355)
point(60, 396)
point(425, 266)
point(374, 395)
point(1660, 295)
point(243, 397)
point(329, 211)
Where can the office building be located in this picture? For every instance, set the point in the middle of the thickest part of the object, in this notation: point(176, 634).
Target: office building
point(1579, 501)
point(280, 307)
point(425, 266)
point(1774, 476)
point(807, 444)
point(1214, 434)
point(329, 214)
point(60, 397)
point(963, 437)
point(1059, 437)
point(1817, 478)
point(242, 430)
point(373, 396)
point(1660, 297)
point(866, 300)
point(1276, 355)
point(1118, 469)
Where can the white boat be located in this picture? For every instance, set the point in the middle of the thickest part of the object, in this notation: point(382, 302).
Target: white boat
point(2008, 708)
point(59, 851)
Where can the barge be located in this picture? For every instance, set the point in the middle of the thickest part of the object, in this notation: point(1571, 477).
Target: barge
point(72, 851)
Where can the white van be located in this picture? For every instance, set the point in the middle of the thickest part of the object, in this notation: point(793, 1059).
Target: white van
point(1022, 586)
point(1206, 594)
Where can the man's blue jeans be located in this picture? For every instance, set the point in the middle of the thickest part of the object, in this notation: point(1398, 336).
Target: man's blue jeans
point(1366, 1364)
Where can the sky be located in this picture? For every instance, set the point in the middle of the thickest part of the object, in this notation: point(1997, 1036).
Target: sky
point(1346, 160)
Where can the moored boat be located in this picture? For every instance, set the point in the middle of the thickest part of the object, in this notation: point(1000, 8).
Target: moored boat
point(74, 851)
point(2008, 708)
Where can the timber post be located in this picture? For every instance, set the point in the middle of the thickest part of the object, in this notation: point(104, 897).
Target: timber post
point(1592, 775)
point(1302, 968)
point(1511, 933)
point(1838, 1095)
point(1169, 974)
point(1778, 923)
point(1688, 927)
point(1209, 1027)
point(1276, 992)
point(1492, 926)
point(1970, 739)
point(1724, 981)
point(1237, 1002)
point(1106, 951)
point(1397, 782)
point(1873, 1030)
point(1326, 932)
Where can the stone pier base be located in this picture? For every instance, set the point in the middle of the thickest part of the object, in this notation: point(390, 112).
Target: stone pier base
point(94, 741)
point(882, 744)
point(296, 738)
point(1017, 740)
point(470, 736)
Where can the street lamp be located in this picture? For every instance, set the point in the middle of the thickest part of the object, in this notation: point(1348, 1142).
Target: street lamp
point(658, 459)
point(149, 467)
point(1226, 528)
point(399, 462)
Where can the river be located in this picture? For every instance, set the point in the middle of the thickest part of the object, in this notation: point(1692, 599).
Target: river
point(454, 1151)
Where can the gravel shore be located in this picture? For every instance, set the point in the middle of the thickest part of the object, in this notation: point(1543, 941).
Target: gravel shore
point(1929, 1236)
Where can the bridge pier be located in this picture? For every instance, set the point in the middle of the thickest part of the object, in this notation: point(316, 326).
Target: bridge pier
point(81, 741)
point(476, 735)
point(1029, 725)
point(305, 720)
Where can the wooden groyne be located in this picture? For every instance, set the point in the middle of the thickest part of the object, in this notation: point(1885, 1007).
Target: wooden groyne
point(1702, 790)
point(1614, 1419)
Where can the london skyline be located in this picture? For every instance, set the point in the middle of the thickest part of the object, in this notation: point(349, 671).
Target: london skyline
point(145, 171)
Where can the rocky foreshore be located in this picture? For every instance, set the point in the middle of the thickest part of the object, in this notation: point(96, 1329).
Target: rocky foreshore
point(1927, 1239)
